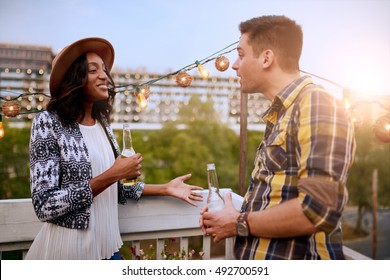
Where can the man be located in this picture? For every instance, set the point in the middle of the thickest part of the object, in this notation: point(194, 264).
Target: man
point(297, 192)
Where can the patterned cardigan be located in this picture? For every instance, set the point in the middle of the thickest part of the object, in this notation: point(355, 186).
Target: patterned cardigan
point(60, 170)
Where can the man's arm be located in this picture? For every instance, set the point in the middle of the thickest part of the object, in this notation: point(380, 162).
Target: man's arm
point(284, 220)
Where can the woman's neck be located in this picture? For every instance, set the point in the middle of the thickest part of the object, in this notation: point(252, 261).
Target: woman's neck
point(87, 120)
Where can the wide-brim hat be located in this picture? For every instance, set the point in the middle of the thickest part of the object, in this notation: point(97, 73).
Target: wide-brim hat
point(65, 58)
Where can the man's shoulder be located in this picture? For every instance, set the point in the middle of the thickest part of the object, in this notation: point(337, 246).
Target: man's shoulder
point(318, 94)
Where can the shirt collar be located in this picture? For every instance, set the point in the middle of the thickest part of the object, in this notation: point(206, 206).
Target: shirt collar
point(291, 91)
point(286, 97)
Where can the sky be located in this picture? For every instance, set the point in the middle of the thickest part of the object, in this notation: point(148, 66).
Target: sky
point(345, 41)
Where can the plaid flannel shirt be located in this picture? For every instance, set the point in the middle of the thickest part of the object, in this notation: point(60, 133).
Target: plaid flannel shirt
point(306, 153)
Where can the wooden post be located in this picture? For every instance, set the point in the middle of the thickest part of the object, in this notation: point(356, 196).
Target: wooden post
point(374, 210)
point(243, 142)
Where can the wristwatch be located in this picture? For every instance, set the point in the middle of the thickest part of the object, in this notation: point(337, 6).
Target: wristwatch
point(242, 224)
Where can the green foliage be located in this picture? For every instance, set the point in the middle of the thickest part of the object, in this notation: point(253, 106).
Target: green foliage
point(198, 110)
point(370, 154)
point(173, 151)
point(381, 157)
point(14, 162)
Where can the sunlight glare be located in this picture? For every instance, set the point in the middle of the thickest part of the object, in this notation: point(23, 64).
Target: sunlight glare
point(367, 73)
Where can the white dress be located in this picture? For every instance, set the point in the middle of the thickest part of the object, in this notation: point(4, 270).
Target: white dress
point(102, 238)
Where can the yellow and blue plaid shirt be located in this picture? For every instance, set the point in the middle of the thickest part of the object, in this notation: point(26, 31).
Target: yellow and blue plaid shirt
point(306, 153)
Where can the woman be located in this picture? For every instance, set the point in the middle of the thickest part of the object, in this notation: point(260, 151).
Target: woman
point(75, 167)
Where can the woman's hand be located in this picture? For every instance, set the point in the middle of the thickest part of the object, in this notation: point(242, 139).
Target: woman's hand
point(177, 188)
point(128, 167)
point(122, 168)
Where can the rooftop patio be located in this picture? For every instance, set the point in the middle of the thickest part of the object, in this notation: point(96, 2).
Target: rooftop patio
point(156, 218)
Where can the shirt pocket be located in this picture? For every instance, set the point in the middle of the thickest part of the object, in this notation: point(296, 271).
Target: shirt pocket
point(275, 154)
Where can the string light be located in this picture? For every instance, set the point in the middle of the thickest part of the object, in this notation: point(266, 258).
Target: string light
point(346, 100)
point(141, 101)
point(183, 79)
point(186, 68)
point(382, 128)
point(145, 90)
point(222, 63)
point(142, 94)
point(11, 108)
point(1, 127)
point(203, 71)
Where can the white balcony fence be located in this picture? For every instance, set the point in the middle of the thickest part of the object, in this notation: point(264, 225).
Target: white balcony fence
point(152, 218)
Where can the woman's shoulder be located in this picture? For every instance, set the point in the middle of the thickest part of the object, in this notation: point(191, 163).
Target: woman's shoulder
point(46, 116)
point(45, 120)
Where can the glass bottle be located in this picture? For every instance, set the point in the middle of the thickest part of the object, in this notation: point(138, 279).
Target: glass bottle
point(128, 151)
point(215, 201)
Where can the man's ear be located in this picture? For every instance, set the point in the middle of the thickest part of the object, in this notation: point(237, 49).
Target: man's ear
point(267, 57)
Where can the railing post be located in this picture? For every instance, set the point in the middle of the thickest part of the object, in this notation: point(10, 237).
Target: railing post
point(24, 253)
point(160, 247)
point(137, 245)
point(184, 245)
point(229, 245)
point(206, 247)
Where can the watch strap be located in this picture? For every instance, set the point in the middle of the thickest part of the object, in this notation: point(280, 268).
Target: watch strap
point(243, 219)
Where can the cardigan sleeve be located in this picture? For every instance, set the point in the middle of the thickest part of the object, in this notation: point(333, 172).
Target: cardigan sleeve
point(130, 192)
point(56, 195)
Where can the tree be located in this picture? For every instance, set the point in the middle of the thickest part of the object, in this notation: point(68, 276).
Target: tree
point(186, 146)
point(14, 164)
point(370, 154)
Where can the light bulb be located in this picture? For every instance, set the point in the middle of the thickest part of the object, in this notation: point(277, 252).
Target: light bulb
point(141, 100)
point(145, 90)
point(11, 108)
point(222, 63)
point(347, 103)
point(203, 71)
point(382, 129)
point(1, 127)
point(183, 79)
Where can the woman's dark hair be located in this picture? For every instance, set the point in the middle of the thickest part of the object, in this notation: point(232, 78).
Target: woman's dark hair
point(68, 104)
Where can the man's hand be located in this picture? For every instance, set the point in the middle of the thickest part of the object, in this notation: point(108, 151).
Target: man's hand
point(220, 224)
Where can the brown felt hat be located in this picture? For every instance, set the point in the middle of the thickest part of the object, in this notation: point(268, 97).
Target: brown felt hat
point(70, 53)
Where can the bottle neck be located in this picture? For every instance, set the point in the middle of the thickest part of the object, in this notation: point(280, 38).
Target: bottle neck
point(127, 140)
point(213, 189)
point(212, 180)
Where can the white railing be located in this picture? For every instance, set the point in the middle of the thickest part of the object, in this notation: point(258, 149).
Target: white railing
point(155, 218)
point(151, 218)
point(165, 217)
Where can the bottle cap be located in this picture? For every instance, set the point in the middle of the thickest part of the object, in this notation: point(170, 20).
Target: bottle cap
point(210, 166)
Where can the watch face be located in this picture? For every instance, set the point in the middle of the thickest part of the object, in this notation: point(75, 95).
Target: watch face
point(242, 229)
